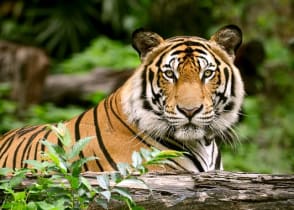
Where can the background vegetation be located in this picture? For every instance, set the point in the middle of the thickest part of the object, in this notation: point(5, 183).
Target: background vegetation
point(80, 35)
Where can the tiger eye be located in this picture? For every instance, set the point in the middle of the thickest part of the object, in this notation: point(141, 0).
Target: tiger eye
point(169, 73)
point(207, 73)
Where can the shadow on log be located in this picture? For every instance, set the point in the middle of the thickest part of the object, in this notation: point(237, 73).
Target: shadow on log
point(219, 190)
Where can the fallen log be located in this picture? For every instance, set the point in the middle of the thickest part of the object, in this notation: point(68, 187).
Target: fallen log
point(74, 88)
point(215, 190)
point(219, 190)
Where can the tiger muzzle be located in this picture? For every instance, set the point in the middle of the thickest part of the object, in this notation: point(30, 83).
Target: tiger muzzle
point(190, 112)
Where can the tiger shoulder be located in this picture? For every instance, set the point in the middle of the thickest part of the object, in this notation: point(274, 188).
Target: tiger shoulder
point(185, 93)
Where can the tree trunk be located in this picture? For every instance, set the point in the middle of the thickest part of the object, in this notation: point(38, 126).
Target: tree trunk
point(26, 67)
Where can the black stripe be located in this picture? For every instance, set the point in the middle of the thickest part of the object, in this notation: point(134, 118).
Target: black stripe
point(177, 164)
point(5, 162)
point(195, 158)
point(146, 104)
point(36, 150)
point(42, 145)
point(106, 107)
point(15, 155)
point(189, 43)
point(125, 124)
point(5, 147)
point(156, 97)
point(99, 165)
point(100, 140)
point(190, 155)
point(21, 132)
point(227, 78)
point(218, 160)
point(29, 146)
point(189, 51)
point(233, 85)
point(78, 137)
point(212, 155)
point(196, 163)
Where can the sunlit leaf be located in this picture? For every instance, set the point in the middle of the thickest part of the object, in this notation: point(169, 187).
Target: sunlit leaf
point(136, 159)
point(103, 181)
point(106, 194)
point(5, 171)
point(123, 192)
point(79, 146)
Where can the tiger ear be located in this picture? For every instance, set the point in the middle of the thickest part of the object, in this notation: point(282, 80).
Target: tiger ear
point(229, 38)
point(144, 41)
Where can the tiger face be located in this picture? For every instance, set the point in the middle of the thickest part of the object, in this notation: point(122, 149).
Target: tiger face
point(186, 88)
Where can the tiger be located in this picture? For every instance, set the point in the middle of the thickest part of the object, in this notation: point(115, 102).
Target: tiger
point(185, 94)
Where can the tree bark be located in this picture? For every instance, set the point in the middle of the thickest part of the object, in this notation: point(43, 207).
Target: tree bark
point(219, 190)
point(26, 67)
point(74, 88)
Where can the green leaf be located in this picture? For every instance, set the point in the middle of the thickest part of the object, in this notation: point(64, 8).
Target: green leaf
point(78, 147)
point(123, 192)
point(133, 182)
point(73, 181)
point(86, 183)
point(54, 155)
point(39, 166)
point(146, 154)
point(32, 206)
point(103, 181)
point(123, 168)
point(76, 166)
point(5, 171)
point(136, 159)
point(106, 194)
point(57, 205)
point(135, 207)
point(17, 179)
point(101, 202)
point(19, 196)
point(162, 157)
point(65, 134)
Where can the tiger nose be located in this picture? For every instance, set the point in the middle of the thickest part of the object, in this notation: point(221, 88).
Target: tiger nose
point(190, 112)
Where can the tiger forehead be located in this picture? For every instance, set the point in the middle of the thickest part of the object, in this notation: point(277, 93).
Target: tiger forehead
point(179, 52)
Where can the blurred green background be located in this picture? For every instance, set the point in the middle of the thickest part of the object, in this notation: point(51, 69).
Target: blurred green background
point(80, 35)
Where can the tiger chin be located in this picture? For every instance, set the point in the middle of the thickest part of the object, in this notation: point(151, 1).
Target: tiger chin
point(186, 93)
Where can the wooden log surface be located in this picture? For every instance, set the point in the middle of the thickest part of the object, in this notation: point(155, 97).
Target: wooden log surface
point(220, 190)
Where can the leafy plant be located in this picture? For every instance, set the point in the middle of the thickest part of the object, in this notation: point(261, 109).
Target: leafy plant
point(102, 52)
point(60, 185)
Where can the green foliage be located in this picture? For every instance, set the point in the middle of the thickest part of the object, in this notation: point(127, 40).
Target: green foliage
point(102, 52)
point(266, 132)
point(59, 184)
point(37, 114)
point(59, 26)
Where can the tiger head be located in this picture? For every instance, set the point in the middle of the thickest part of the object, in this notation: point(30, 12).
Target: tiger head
point(186, 87)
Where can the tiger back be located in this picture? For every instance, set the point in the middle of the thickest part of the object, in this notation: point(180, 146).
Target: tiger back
point(185, 93)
